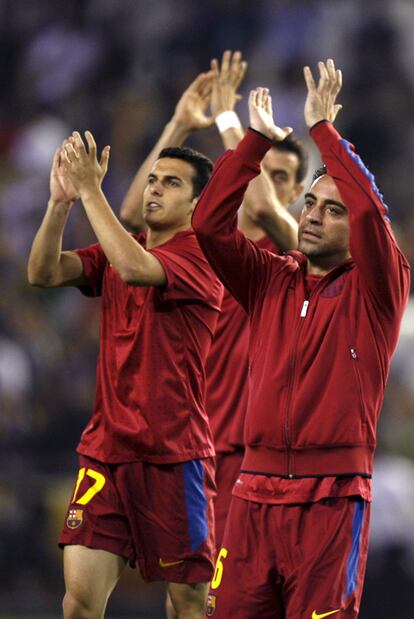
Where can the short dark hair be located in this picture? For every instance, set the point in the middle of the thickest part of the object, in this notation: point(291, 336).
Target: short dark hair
point(293, 144)
point(319, 172)
point(203, 166)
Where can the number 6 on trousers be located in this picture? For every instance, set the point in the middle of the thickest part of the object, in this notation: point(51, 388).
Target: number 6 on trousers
point(218, 574)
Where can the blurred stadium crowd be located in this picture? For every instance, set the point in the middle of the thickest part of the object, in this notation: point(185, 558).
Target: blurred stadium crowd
point(117, 67)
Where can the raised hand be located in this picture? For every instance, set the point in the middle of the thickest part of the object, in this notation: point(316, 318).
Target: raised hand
point(81, 165)
point(190, 111)
point(61, 187)
point(320, 101)
point(261, 115)
point(226, 82)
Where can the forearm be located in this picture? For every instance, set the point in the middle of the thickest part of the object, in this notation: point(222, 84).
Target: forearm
point(231, 137)
point(215, 217)
point(131, 261)
point(131, 212)
point(262, 207)
point(46, 251)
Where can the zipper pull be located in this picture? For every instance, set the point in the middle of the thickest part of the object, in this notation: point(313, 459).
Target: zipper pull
point(354, 354)
point(304, 309)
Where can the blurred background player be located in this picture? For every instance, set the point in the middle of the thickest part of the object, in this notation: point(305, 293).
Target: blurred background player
point(264, 219)
point(325, 322)
point(145, 488)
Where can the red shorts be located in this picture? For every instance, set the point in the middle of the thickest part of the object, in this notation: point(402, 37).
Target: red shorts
point(295, 561)
point(160, 516)
point(227, 471)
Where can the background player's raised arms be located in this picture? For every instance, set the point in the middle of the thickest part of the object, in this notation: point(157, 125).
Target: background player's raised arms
point(261, 210)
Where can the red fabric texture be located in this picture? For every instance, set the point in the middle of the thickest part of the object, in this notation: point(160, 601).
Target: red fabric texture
point(149, 403)
point(300, 563)
point(141, 514)
point(227, 471)
point(282, 491)
point(227, 372)
point(317, 380)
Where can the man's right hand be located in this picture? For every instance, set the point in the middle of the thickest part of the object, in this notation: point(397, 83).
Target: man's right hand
point(61, 188)
point(190, 111)
point(321, 99)
point(227, 80)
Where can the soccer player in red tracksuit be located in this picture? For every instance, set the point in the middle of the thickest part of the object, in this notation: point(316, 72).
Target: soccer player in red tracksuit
point(264, 219)
point(145, 488)
point(324, 324)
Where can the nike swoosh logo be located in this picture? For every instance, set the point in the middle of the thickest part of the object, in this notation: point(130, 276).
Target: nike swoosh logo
point(315, 615)
point(169, 563)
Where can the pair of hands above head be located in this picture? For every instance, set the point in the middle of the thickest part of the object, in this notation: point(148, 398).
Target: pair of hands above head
point(320, 102)
point(218, 88)
point(215, 89)
point(76, 168)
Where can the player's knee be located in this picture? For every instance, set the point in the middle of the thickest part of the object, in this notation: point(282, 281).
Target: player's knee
point(77, 606)
point(189, 600)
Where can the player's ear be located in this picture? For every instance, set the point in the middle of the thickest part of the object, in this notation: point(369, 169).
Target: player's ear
point(194, 202)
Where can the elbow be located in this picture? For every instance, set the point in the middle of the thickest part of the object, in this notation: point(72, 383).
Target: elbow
point(125, 215)
point(36, 278)
point(258, 212)
point(129, 274)
point(130, 217)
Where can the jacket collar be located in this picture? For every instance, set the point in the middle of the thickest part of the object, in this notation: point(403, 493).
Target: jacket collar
point(302, 260)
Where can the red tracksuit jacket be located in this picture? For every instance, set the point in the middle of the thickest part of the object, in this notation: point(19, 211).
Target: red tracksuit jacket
point(318, 365)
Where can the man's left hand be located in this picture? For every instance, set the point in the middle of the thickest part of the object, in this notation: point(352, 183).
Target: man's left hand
point(261, 115)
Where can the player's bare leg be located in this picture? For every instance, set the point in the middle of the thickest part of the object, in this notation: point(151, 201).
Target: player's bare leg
point(169, 608)
point(90, 578)
point(189, 600)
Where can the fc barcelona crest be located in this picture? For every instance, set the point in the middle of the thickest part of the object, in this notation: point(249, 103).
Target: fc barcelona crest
point(75, 518)
point(211, 605)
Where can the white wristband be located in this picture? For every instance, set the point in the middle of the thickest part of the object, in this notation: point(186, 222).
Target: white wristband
point(227, 120)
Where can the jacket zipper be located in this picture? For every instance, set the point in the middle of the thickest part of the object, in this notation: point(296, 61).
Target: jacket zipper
point(303, 314)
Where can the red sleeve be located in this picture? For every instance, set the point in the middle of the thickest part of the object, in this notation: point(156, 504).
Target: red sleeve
point(189, 276)
point(238, 262)
point(94, 262)
point(383, 268)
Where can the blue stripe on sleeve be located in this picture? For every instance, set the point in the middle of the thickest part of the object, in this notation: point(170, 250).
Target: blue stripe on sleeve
point(353, 559)
point(196, 502)
point(348, 147)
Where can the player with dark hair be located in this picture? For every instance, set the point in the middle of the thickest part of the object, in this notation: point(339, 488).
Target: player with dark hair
point(202, 165)
point(263, 218)
point(324, 324)
point(145, 488)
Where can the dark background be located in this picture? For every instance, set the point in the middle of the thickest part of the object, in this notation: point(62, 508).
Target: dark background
point(117, 67)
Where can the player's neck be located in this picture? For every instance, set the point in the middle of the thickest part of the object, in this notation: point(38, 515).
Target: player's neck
point(160, 236)
point(322, 265)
